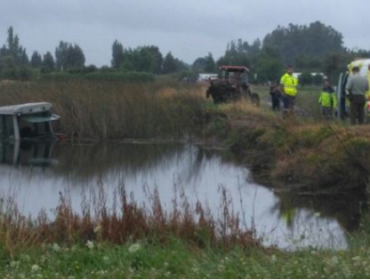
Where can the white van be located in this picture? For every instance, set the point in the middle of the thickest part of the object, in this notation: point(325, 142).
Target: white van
point(363, 64)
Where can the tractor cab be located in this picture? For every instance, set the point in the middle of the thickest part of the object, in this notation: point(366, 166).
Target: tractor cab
point(30, 121)
point(232, 84)
point(234, 75)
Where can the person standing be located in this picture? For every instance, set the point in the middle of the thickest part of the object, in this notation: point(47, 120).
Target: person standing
point(368, 80)
point(289, 85)
point(275, 96)
point(327, 100)
point(356, 88)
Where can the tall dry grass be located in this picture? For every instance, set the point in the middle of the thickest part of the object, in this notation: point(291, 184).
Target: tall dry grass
point(106, 110)
point(125, 221)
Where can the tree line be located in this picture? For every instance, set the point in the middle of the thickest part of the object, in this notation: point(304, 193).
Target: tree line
point(70, 58)
point(309, 48)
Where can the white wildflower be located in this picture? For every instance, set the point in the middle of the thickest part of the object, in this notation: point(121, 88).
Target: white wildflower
point(25, 258)
point(90, 244)
point(195, 269)
point(221, 267)
point(273, 258)
point(56, 247)
point(134, 248)
point(14, 264)
point(97, 229)
point(35, 268)
point(356, 259)
point(333, 261)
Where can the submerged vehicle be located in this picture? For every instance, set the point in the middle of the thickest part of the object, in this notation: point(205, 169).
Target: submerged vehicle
point(27, 153)
point(231, 85)
point(30, 121)
point(342, 109)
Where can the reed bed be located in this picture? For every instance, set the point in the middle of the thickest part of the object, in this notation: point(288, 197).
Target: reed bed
point(113, 110)
point(124, 222)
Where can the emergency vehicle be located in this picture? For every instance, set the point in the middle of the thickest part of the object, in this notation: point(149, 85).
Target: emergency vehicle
point(343, 108)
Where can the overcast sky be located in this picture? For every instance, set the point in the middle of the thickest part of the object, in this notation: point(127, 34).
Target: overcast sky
point(188, 28)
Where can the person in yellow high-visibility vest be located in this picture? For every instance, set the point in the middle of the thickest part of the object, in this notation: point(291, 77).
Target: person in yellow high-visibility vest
point(289, 85)
point(327, 100)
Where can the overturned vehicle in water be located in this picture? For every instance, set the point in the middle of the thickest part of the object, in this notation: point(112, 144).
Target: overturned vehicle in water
point(30, 121)
point(232, 84)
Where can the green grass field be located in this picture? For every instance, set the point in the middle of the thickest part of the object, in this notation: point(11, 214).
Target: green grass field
point(179, 260)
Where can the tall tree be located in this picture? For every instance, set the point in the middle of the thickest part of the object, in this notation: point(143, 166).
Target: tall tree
point(169, 64)
point(61, 53)
point(204, 64)
point(76, 58)
point(48, 63)
point(157, 59)
point(210, 66)
point(13, 50)
point(69, 57)
point(199, 65)
point(269, 67)
point(36, 60)
point(314, 41)
point(117, 55)
point(240, 53)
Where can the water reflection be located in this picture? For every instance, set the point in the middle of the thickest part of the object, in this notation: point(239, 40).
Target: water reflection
point(345, 208)
point(36, 173)
point(27, 153)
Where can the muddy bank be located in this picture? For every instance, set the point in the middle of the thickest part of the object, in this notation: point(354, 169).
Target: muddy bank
point(309, 158)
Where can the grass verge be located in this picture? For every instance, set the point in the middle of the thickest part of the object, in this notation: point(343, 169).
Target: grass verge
point(179, 260)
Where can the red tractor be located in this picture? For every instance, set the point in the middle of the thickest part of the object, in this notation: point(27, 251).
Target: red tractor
point(231, 85)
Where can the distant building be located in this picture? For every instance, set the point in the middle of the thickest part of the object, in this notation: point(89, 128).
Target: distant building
point(313, 74)
point(205, 77)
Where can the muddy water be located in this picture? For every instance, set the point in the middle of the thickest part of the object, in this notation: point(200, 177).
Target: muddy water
point(34, 175)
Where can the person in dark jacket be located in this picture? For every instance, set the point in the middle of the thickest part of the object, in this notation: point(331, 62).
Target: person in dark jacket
point(275, 96)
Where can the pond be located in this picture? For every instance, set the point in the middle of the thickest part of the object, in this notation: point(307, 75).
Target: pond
point(35, 174)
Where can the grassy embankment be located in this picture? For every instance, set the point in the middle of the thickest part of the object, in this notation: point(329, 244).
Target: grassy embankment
point(186, 243)
point(305, 152)
point(300, 153)
point(134, 242)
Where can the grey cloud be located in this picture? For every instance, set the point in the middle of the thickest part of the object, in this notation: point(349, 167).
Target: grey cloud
point(187, 28)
